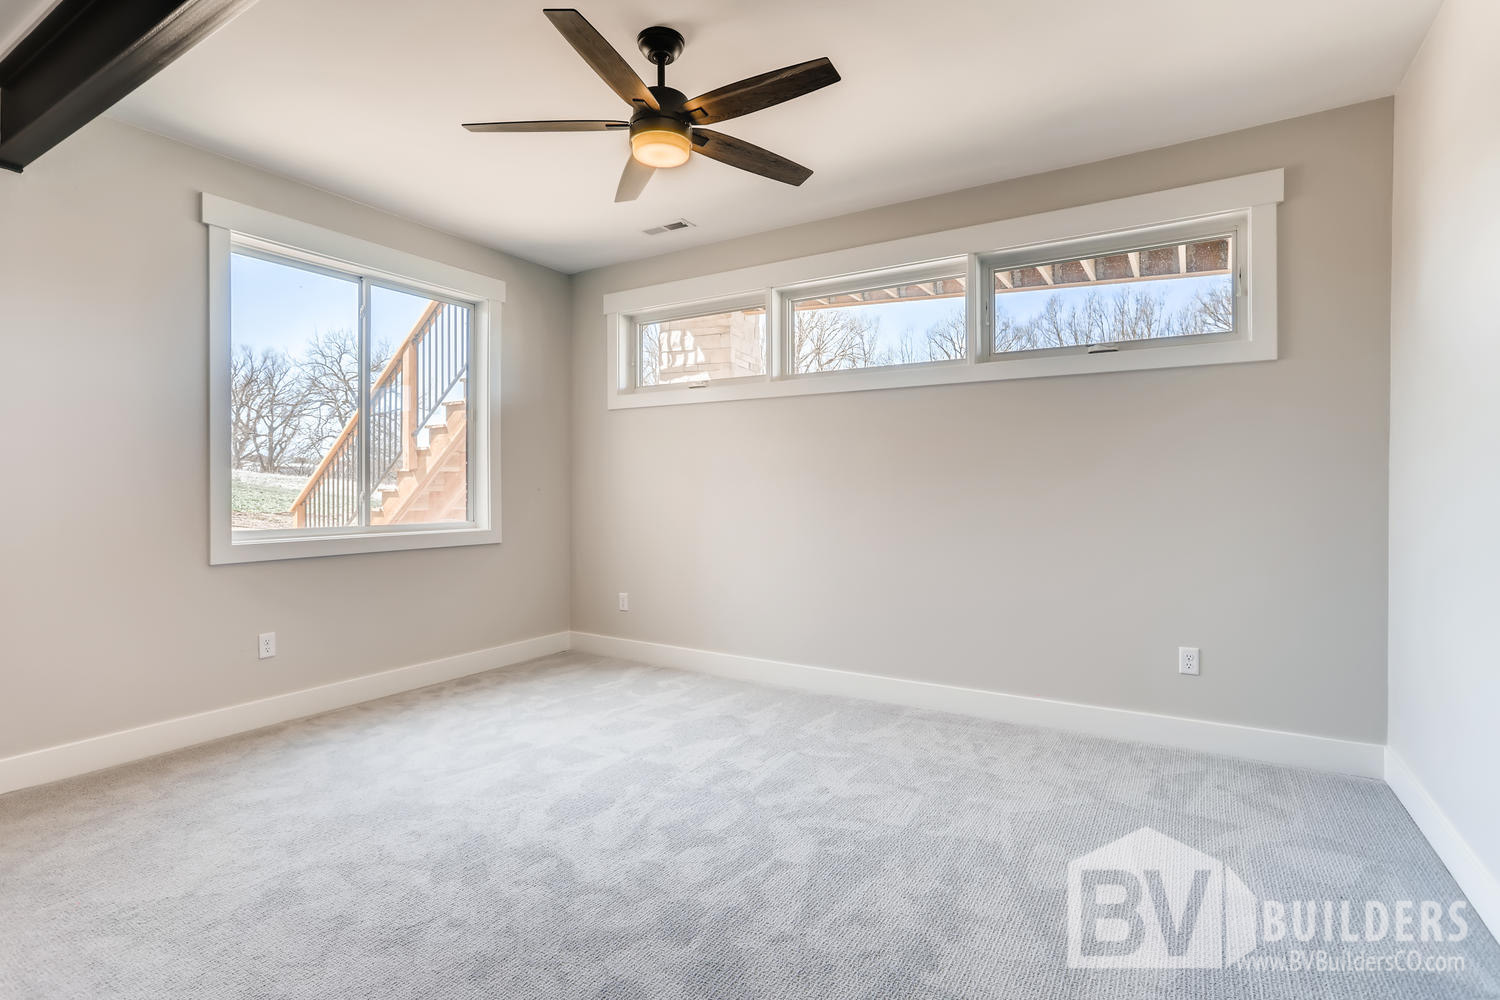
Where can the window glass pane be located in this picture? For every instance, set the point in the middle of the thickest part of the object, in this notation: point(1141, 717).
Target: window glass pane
point(898, 324)
point(713, 346)
point(294, 391)
point(419, 436)
point(1181, 290)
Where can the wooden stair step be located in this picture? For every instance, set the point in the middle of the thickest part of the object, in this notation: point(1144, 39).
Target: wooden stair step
point(435, 489)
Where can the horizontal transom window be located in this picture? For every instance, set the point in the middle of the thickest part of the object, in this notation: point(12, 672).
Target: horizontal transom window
point(904, 321)
point(724, 343)
point(1184, 277)
point(1144, 293)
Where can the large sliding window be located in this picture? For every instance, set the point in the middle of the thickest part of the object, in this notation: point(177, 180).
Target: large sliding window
point(1186, 277)
point(350, 401)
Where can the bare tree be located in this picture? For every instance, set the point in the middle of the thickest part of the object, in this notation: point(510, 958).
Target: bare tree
point(1126, 312)
point(906, 352)
point(287, 409)
point(834, 339)
point(1010, 335)
point(268, 403)
point(1058, 325)
point(329, 368)
point(650, 372)
point(1133, 313)
point(242, 398)
point(948, 340)
point(1212, 311)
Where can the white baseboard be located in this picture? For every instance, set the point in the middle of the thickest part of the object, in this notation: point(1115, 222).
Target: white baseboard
point(1480, 885)
point(83, 756)
point(1270, 745)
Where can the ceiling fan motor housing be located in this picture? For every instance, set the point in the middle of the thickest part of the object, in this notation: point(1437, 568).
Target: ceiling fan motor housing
point(673, 109)
point(650, 121)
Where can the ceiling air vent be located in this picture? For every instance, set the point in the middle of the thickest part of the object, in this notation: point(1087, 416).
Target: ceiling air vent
point(668, 228)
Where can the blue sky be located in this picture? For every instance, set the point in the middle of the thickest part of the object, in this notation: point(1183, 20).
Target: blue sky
point(1175, 292)
point(895, 319)
point(283, 307)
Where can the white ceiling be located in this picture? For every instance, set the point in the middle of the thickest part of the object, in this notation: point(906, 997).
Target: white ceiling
point(364, 98)
point(17, 17)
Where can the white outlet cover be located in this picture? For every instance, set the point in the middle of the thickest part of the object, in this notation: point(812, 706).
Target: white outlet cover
point(1188, 660)
point(624, 601)
point(266, 644)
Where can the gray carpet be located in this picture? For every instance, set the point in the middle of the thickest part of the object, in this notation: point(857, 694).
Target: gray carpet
point(580, 827)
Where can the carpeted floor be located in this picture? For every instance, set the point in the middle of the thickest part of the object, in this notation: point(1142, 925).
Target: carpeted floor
point(579, 827)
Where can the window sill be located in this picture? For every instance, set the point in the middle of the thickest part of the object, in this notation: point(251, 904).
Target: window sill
point(999, 368)
point(241, 547)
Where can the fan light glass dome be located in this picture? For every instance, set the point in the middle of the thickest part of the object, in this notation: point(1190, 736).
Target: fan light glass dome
point(660, 147)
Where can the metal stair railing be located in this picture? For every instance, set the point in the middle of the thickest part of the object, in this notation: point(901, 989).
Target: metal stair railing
point(424, 369)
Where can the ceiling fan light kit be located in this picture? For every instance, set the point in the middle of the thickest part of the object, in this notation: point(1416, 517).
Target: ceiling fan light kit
point(660, 142)
point(665, 127)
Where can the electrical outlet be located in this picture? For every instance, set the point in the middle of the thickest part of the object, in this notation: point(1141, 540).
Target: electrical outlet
point(624, 601)
point(1187, 660)
point(267, 645)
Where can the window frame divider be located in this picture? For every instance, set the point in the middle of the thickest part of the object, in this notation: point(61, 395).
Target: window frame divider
point(362, 427)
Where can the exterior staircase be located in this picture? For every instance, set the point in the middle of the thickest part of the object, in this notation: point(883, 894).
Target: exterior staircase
point(435, 488)
point(416, 459)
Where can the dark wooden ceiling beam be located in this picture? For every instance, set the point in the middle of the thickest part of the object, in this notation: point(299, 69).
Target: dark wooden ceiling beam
point(84, 57)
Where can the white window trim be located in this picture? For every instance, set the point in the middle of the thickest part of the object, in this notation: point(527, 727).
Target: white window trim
point(1249, 202)
point(293, 238)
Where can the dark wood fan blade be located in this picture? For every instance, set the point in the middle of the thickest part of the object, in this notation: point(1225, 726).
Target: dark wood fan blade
point(748, 156)
point(633, 180)
point(545, 126)
point(761, 91)
point(601, 57)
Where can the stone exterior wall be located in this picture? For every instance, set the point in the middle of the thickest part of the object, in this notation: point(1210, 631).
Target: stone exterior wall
point(726, 345)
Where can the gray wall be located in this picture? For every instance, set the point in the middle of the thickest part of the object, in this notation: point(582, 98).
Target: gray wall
point(110, 616)
point(1056, 537)
point(1445, 424)
point(953, 533)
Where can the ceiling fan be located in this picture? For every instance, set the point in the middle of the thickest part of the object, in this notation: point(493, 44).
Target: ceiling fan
point(665, 126)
